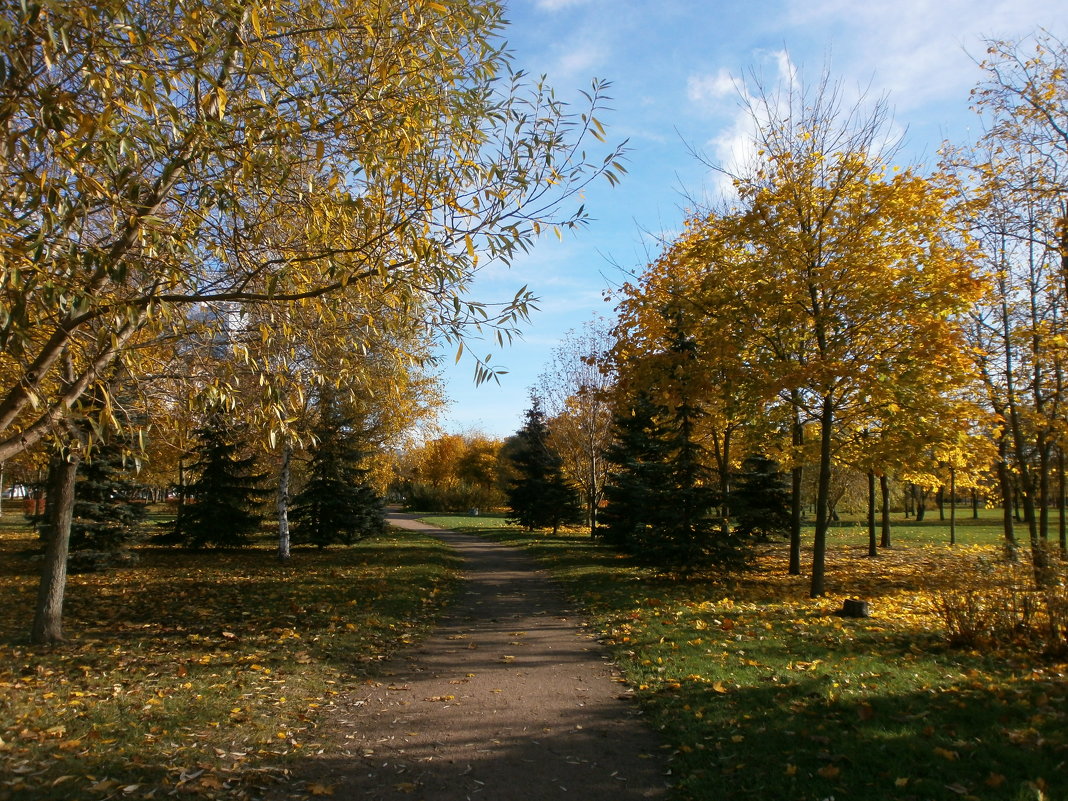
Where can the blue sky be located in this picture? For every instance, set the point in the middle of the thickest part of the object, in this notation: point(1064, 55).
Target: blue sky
point(674, 67)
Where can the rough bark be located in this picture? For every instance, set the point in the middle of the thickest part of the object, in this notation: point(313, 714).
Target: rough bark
point(797, 475)
point(884, 489)
point(48, 619)
point(952, 506)
point(1062, 523)
point(823, 494)
point(873, 549)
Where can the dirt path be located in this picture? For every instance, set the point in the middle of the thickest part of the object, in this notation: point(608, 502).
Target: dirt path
point(509, 700)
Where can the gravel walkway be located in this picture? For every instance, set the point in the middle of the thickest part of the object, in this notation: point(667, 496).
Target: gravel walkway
point(510, 699)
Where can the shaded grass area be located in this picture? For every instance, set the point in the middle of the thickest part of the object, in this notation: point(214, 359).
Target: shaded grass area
point(200, 674)
point(762, 693)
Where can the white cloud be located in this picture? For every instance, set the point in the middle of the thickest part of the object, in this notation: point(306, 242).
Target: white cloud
point(579, 60)
point(733, 148)
point(916, 50)
point(703, 88)
point(557, 5)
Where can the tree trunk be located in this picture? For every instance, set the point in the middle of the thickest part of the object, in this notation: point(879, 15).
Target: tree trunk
point(1062, 523)
point(1043, 489)
point(884, 488)
point(283, 501)
point(48, 620)
point(975, 504)
point(1008, 496)
point(823, 494)
point(181, 482)
point(593, 494)
point(920, 497)
point(797, 475)
point(952, 506)
point(940, 501)
point(873, 549)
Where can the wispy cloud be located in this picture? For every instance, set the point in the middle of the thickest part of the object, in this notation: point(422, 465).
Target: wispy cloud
point(579, 59)
point(734, 147)
point(557, 5)
point(705, 88)
point(915, 50)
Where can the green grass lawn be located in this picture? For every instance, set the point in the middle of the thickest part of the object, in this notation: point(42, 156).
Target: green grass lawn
point(198, 674)
point(762, 693)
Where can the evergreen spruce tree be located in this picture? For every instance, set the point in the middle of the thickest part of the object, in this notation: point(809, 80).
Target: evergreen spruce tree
point(761, 500)
point(637, 472)
point(540, 496)
point(107, 513)
point(660, 495)
point(227, 494)
point(687, 533)
point(337, 504)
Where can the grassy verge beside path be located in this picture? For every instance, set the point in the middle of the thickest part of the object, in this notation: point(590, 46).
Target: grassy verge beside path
point(198, 675)
point(762, 693)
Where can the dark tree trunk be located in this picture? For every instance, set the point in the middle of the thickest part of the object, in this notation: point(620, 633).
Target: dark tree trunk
point(1043, 491)
point(823, 494)
point(975, 504)
point(797, 475)
point(884, 488)
point(48, 620)
point(952, 506)
point(873, 549)
point(940, 501)
point(1008, 497)
point(181, 483)
point(1062, 523)
point(921, 502)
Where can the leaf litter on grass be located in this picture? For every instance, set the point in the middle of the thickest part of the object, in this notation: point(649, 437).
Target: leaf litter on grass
point(201, 674)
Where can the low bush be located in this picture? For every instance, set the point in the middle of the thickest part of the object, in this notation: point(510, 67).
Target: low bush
point(987, 601)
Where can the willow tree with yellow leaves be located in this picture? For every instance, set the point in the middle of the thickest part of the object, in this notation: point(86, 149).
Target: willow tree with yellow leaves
point(160, 155)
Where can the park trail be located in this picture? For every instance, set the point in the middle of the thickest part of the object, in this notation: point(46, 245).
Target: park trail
point(509, 699)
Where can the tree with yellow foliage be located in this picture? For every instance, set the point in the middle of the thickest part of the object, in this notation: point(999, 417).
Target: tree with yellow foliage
point(860, 262)
point(159, 157)
point(833, 282)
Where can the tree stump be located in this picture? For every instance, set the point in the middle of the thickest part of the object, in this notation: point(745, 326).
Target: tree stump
point(852, 607)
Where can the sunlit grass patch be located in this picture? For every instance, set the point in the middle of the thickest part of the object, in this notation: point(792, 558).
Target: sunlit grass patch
point(199, 673)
